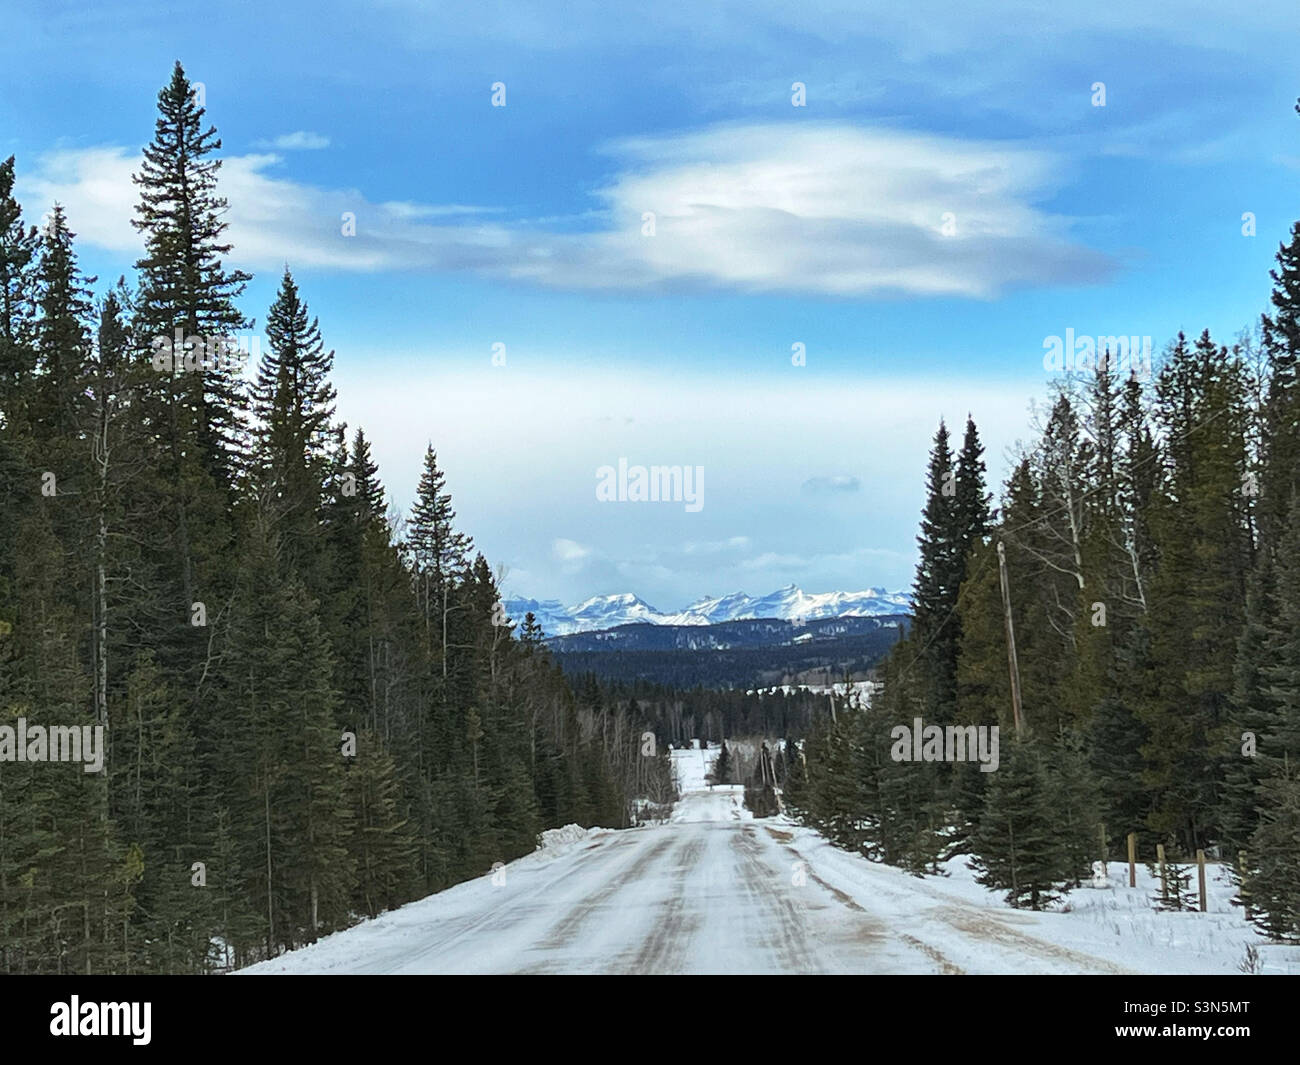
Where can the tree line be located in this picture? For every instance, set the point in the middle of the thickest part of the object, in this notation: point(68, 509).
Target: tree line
point(315, 708)
point(1151, 534)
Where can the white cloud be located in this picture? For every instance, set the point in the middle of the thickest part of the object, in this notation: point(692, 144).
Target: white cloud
point(523, 478)
point(816, 208)
point(569, 550)
point(716, 547)
point(831, 485)
point(298, 141)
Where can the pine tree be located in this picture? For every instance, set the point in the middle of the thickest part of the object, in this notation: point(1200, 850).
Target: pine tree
point(380, 845)
point(1077, 796)
point(1270, 885)
point(438, 552)
point(183, 283)
point(938, 581)
point(283, 770)
point(293, 402)
point(18, 249)
point(1198, 590)
point(1018, 848)
point(722, 767)
point(1175, 891)
point(1254, 713)
point(971, 500)
point(191, 417)
point(62, 334)
point(1281, 430)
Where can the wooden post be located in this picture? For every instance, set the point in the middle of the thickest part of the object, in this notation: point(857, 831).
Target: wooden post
point(1103, 853)
point(1012, 665)
point(1132, 859)
point(1160, 860)
point(1200, 876)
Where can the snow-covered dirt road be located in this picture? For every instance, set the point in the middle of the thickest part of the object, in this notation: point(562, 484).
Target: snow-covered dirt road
point(710, 892)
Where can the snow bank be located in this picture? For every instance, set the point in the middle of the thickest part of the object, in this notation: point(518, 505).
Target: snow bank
point(1104, 919)
point(558, 838)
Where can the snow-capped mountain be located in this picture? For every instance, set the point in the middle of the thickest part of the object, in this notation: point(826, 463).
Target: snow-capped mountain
point(790, 604)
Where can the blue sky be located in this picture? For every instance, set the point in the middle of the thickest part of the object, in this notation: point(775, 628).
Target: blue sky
point(774, 225)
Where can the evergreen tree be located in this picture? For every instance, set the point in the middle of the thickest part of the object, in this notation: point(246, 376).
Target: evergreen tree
point(380, 847)
point(284, 767)
point(183, 282)
point(722, 767)
point(1078, 813)
point(1281, 429)
point(18, 250)
point(1175, 891)
point(1270, 885)
point(1018, 848)
point(293, 402)
point(190, 415)
point(938, 581)
point(438, 552)
point(1198, 589)
point(62, 335)
point(971, 500)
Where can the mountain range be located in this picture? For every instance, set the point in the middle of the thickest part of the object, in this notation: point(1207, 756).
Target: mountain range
point(790, 603)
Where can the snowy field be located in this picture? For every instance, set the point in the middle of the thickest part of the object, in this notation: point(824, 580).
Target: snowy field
point(714, 891)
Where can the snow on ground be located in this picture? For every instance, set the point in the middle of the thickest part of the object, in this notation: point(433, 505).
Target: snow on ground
point(691, 765)
point(554, 839)
point(698, 801)
point(1117, 923)
point(715, 891)
point(859, 691)
point(724, 802)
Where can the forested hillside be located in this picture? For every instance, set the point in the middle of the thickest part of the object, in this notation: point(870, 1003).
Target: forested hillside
point(1152, 543)
point(313, 707)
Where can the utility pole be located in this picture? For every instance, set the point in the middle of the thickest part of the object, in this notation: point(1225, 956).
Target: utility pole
point(1012, 664)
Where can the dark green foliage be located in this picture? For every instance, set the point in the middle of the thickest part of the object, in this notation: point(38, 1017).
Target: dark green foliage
point(722, 767)
point(1018, 848)
point(306, 721)
point(1175, 891)
point(1271, 886)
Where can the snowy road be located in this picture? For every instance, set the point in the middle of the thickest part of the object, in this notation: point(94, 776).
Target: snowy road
point(710, 892)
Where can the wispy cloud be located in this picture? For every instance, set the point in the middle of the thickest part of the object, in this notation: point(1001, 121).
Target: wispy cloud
point(836, 485)
point(829, 209)
point(299, 141)
point(569, 550)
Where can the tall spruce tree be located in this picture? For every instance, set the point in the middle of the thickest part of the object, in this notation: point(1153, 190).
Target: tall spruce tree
point(439, 554)
point(938, 581)
point(191, 412)
point(1281, 445)
point(293, 402)
point(18, 249)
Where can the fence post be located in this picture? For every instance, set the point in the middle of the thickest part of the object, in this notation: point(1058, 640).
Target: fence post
point(1132, 859)
point(1200, 876)
point(1160, 860)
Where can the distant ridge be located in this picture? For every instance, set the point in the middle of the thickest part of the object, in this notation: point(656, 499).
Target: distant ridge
point(789, 603)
